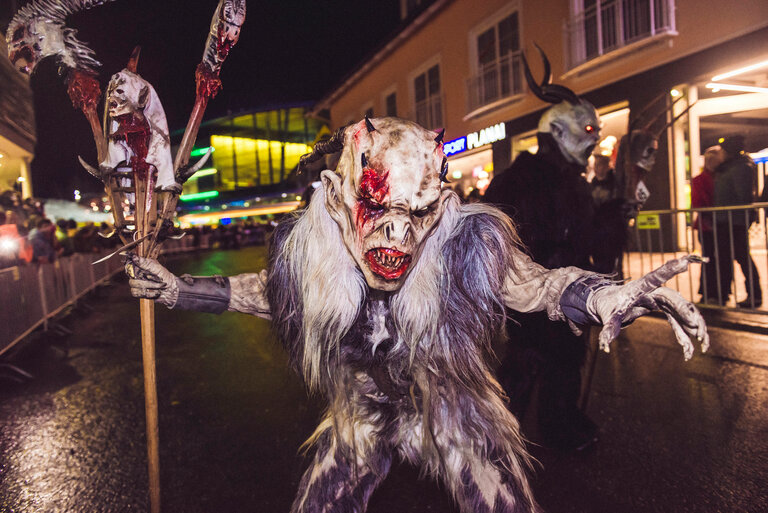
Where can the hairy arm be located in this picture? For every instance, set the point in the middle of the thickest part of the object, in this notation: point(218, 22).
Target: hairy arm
point(529, 287)
point(249, 294)
point(214, 294)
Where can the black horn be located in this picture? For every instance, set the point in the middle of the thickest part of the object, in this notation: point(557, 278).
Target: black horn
point(546, 91)
point(674, 120)
point(444, 171)
point(440, 134)
point(322, 148)
point(369, 125)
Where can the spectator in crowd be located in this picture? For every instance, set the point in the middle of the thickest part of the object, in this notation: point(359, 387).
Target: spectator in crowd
point(702, 196)
point(43, 240)
point(71, 228)
point(65, 242)
point(603, 184)
point(87, 239)
point(735, 183)
point(13, 247)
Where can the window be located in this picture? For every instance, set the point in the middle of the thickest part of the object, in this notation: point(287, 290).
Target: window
point(427, 98)
point(390, 104)
point(497, 62)
point(601, 26)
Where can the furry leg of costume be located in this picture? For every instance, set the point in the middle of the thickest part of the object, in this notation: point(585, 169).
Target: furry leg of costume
point(342, 475)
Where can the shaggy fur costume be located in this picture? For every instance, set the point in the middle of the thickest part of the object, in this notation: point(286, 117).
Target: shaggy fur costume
point(405, 372)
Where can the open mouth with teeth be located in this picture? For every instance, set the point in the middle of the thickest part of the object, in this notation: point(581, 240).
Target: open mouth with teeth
point(23, 59)
point(388, 263)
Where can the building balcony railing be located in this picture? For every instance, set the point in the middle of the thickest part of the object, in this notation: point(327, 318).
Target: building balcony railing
point(429, 113)
point(613, 24)
point(495, 81)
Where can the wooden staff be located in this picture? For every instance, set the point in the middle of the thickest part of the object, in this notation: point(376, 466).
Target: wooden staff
point(228, 18)
point(146, 213)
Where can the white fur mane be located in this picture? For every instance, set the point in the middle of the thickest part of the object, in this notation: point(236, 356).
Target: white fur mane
point(332, 289)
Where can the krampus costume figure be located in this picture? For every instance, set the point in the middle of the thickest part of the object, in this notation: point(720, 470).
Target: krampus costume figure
point(386, 292)
point(551, 204)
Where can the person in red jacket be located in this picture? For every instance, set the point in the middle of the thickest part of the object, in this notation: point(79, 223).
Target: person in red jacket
point(702, 196)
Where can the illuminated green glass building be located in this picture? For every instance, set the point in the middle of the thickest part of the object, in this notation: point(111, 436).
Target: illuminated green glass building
point(252, 169)
point(253, 149)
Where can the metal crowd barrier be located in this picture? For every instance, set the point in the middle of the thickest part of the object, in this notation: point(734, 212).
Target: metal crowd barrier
point(33, 295)
point(737, 236)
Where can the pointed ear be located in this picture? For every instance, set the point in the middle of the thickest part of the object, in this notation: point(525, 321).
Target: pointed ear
point(557, 129)
point(143, 97)
point(332, 188)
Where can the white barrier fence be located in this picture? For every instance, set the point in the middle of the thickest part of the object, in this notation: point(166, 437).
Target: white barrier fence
point(33, 295)
point(735, 236)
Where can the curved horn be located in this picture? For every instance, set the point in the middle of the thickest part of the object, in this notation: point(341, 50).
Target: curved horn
point(369, 125)
point(92, 170)
point(547, 91)
point(133, 62)
point(640, 115)
point(191, 170)
point(647, 126)
point(334, 144)
point(674, 120)
point(444, 170)
point(547, 68)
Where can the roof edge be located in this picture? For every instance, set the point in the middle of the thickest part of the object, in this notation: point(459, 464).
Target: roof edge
point(379, 55)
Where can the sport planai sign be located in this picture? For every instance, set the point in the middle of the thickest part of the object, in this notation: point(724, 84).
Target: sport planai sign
point(476, 139)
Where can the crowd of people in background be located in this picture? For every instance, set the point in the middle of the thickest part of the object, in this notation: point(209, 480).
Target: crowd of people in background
point(28, 236)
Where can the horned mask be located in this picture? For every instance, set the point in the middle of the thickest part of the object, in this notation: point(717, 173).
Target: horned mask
point(573, 122)
point(129, 95)
point(385, 195)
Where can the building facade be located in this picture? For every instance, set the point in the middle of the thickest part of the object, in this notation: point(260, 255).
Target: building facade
point(458, 65)
point(17, 123)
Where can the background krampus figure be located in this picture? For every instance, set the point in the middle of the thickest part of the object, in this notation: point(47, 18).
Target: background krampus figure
point(386, 292)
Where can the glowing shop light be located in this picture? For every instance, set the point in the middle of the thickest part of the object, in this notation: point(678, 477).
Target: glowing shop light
point(21, 179)
point(207, 218)
point(734, 87)
point(674, 93)
point(456, 175)
point(199, 195)
point(745, 69)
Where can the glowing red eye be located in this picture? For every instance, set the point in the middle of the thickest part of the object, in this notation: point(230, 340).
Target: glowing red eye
point(589, 129)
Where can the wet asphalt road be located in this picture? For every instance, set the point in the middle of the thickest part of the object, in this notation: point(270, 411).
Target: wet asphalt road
point(675, 436)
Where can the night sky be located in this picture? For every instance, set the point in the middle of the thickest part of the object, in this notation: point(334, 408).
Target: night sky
point(289, 51)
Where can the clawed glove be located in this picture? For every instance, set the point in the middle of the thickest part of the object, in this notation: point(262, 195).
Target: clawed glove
point(615, 306)
point(150, 280)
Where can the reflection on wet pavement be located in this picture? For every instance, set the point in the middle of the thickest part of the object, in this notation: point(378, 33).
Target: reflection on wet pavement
point(675, 436)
